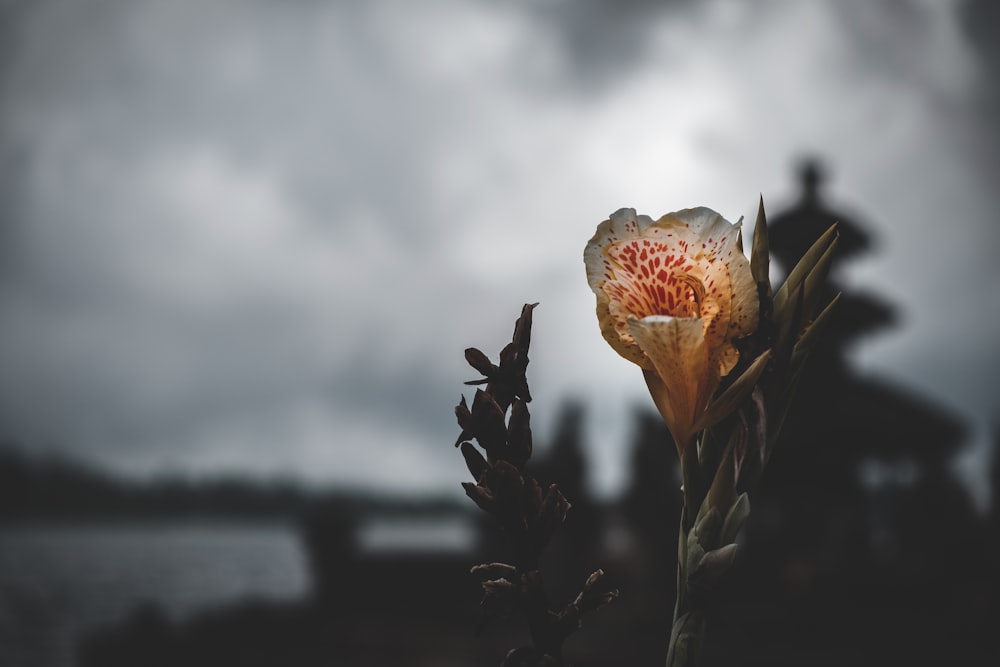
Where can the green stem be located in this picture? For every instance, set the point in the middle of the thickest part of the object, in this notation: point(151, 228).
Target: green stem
point(688, 630)
point(692, 480)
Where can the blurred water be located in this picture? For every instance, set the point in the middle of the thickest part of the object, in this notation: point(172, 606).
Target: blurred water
point(57, 582)
point(409, 535)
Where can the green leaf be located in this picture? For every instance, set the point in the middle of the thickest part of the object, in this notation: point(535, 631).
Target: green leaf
point(706, 529)
point(805, 265)
point(780, 409)
point(695, 554)
point(760, 252)
point(813, 285)
point(723, 490)
point(694, 485)
point(735, 394)
point(713, 565)
point(788, 322)
point(735, 518)
point(686, 639)
point(812, 333)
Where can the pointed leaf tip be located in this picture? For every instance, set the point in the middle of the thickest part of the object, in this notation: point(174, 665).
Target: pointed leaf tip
point(803, 268)
point(735, 518)
point(812, 332)
point(760, 251)
point(478, 360)
point(713, 565)
point(730, 399)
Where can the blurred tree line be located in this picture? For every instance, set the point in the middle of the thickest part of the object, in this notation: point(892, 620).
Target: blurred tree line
point(61, 489)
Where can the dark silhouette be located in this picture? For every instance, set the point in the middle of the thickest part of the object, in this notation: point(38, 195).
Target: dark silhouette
point(854, 532)
point(575, 548)
point(651, 509)
point(794, 230)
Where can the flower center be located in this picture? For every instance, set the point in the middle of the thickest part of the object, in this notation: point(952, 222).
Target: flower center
point(652, 278)
point(690, 296)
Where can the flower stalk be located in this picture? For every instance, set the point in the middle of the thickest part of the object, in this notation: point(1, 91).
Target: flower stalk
point(721, 355)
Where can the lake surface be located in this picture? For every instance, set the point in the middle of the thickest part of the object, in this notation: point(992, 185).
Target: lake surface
point(58, 582)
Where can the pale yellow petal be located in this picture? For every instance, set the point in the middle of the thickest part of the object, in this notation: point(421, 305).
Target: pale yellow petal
point(680, 355)
point(726, 358)
point(695, 226)
point(622, 225)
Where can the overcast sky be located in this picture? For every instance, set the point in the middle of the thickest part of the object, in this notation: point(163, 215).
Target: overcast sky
point(256, 236)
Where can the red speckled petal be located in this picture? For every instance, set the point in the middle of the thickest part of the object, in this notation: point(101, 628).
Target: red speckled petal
point(622, 225)
point(685, 265)
point(721, 241)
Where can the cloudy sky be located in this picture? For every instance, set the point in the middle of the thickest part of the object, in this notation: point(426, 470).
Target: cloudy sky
point(256, 236)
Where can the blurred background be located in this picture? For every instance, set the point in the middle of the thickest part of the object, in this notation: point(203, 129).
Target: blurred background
point(243, 246)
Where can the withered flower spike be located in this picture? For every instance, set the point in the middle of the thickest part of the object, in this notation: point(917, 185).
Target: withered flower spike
point(508, 484)
point(499, 596)
point(478, 360)
point(519, 434)
point(496, 570)
point(551, 514)
point(464, 418)
point(522, 330)
point(497, 586)
point(594, 577)
point(587, 600)
point(509, 381)
point(481, 496)
point(532, 493)
point(513, 365)
point(475, 462)
point(586, 603)
point(606, 599)
point(488, 425)
point(528, 513)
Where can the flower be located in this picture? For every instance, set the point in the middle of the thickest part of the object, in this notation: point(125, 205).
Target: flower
point(672, 296)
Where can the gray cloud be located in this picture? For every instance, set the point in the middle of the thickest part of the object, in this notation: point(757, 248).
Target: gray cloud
point(601, 39)
point(259, 235)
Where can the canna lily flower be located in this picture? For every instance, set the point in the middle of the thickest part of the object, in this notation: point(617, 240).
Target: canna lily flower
point(672, 297)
